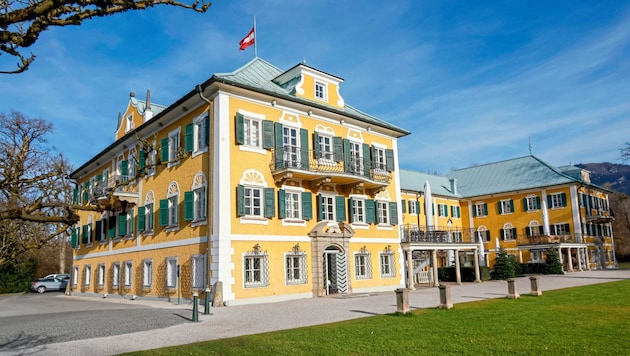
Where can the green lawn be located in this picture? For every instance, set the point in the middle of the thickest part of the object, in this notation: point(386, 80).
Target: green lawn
point(590, 320)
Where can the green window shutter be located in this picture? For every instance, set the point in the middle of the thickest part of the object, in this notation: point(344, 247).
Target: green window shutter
point(151, 219)
point(474, 210)
point(141, 218)
point(122, 224)
point(84, 235)
point(307, 206)
point(537, 202)
point(567, 228)
point(240, 200)
point(485, 209)
point(524, 204)
point(340, 208)
point(320, 207)
point(164, 212)
point(393, 213)
point(552, 229)
point(316, 149)
point(240, 130)
point(370, 211)
point(338, 149)
point(459, 213)
point(189, 206)
point(189, 138)
point(563, 196)
point(111, 224)
point(548, 201)
point(279, 150)
point(511, 205)
point(282, 204)
point(433, 209)
point(346, 155)
point(453, 211)
point(500, 207)
point(99, 179)
point(445, 210)
point(514, 233)
point(124, 169)
point(97, 230)
point(502, 234)
point(389, 160)
point(304, 149)
point(164, 150)
point(367, 161)
point(417, 206)
point(75, 195)
point(270, 204)
point(350, 205)
point(86, 192)
point(278, 135)
point(403, 203)
point(528, 233)
point(74, 241)
point(142, 161)
point(268, 142)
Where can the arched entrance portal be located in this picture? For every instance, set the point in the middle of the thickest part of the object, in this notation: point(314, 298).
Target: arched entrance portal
point(335, 270)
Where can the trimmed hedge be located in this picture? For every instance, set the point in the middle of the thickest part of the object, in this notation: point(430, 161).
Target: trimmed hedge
point(448, 274)
point(17, 277)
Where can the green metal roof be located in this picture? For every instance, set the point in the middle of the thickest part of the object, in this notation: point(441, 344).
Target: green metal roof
point(414, 181)
point(259, 75)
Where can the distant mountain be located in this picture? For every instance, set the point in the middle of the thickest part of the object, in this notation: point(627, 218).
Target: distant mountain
point(617, 175)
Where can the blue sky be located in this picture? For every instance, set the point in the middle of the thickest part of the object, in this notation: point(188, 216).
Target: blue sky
point(472, 80)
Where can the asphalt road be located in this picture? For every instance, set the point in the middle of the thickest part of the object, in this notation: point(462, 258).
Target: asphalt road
point(32, 320)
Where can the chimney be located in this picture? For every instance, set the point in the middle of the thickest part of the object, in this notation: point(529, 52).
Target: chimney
point(148, 113)
point(453, 185)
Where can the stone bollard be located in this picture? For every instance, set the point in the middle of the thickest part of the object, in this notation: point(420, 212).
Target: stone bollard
point(445, 297)
point(195, 316)
point(534, 282)
point(217, 301)
point(206, 303)
point(402, 300)
point(512, 292)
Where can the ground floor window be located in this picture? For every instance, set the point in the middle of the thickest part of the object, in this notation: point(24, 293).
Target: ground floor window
point(256, 268)
point(116, 274)
point(295, 268)
point(198, 271)
point(101, 274)
point(88, 275)
point(171, 272)
point(387, 264)
point(147, 273)
point(362, 264)
point(75, 275)
point(128, 273)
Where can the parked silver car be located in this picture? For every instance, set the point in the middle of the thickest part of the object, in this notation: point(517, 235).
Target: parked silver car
point(50, 283)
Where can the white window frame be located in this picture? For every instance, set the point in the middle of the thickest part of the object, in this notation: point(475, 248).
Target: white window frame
point(200, 131)
point(75, 275)
point(362, 265)
point(255, 276)
point(101, 274)
point(379, 162)
point(536, 256)
point(382, 212)
point(293, 205)
point(387, 264)
point(116, 274)
point(252, 131)
point(130, 226)
point(412, 207)
point(129, 123)
point(149, 218)
point(128, 274)
point(320, 90)
point(478, 233)
point(199, 203)
point(292, 155)
point(147, 273)
point(556, 200)
point(173, 147)
point(479, 209)
point(531, 203)
point(508, 233)
point(328, 207)
point(87, 275)
point(255, 202)
point(326, 151)
point(560, 231)
point(358, 211)
point(198, 272)
point(290, 259)
point(356, 157)
point(442, 210)
point(173, 213)
point(104, 227)
point(506, 208)
point(171, 272)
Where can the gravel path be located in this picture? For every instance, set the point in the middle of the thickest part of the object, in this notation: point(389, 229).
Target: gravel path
point(252, 319)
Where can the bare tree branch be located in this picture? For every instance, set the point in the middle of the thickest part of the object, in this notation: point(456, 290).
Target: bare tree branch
point(23, 21)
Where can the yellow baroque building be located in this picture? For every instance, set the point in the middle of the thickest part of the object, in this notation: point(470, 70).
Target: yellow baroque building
point(259, 185)
point(523, 205)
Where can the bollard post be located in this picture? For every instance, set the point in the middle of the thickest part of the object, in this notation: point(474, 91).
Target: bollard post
point(534, 283)
point(402, 300)
point(195, 316)
point(512, 292)
point(206, 310)
point(445, 297)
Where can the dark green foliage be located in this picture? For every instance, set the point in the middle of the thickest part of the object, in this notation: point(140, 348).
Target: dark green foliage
point(468, 274)
point(532, 268)
point(504, 265)
point(16, 277)
point(552, 262)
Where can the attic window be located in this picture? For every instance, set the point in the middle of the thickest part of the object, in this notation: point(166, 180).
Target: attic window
point(320, 91)
point(129, 123)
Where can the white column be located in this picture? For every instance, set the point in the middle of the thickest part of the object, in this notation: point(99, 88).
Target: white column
point(569, 260)
point(588, 262)
point(477, 274)
point(545, 213)
point(579, 259)
point(410, 283)
point(458, 273)
point(560, 256)
point(436, 283)
point(520, 256)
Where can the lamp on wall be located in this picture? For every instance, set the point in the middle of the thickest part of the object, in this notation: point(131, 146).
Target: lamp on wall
point(342, 121)
point(310, 112)
point(273, 102)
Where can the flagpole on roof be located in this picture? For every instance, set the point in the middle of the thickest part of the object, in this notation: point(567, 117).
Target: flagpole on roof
point(255, 40)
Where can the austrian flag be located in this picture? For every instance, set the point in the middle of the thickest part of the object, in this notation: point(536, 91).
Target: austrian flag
point(249, 40)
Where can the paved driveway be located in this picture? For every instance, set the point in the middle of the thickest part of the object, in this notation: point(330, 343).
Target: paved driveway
point(34, 320)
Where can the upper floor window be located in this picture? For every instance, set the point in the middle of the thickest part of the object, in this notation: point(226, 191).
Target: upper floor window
point(295, 205)
point(480, 209)
point(357, 207)
point(532, 202)
point(169, 214)
point(379, 160)
point(443, 210)
point(254, 202)
point(508, 232)
point(321, 91)
point(382, 212)
point(129, 123)
point(201, 124)
point(506, 206)
point(195, 200)
point(414, 206)
point(456, 212)
point(557, 200)
point(355, 164)
point(169, 150)
point(561, 229)
point(325, 144)
point(483, 234)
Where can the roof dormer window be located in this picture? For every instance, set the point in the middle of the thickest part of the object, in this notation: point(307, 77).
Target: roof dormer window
point(320, 91)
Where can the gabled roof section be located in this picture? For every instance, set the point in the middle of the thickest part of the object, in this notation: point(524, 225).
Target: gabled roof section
point(141, 105)
point(514, 174)
point(259, 75)
point(414, 181)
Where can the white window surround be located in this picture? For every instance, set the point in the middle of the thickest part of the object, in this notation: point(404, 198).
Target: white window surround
point(171, 272)
point(116, 274)
point(320, 90)
point(89, 231)
point(329, 206)
point(362, 268)
point(531, 203)
point(151, 159)
point(200, 192)
point(75, 275)
point(507, 232)
point(506, 208)
point(556, 200)
point(248, 146)
point(147, 273)
point(252, 179)
point(382, 212)
point(101, 275)
point(199, 134)
point(172, 196)
point(478, 206)
point(357, 212)
point(295, 268)
point(128, 123)
point(130, 226)
point(128, 274)
point(380, 161)
point(413, 207)
point(173, 147)
point(293, 195)
point(387, 264)
point(87, 274)
point(198, 274)
point(149, 214)
point(255, 269)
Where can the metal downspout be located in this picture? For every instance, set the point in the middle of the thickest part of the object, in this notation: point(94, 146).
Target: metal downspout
point(210, 185)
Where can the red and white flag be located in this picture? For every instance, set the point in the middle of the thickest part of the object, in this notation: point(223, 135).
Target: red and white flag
point(248, 40)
